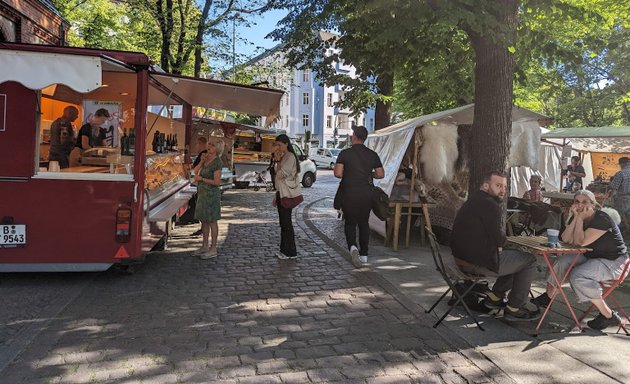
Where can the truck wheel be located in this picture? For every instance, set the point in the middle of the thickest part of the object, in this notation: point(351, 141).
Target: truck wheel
point(256, 189)
point(332, 165)
point(308, 179)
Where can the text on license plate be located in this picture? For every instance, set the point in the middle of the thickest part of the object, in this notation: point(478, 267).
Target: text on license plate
point(12, 234)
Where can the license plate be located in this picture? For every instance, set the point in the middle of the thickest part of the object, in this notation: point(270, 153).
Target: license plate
point(12, 235)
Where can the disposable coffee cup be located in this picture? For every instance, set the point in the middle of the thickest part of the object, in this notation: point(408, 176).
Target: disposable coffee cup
point(552, 236)
point(53, 166)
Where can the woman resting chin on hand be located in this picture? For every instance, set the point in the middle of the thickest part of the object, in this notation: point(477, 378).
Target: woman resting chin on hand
point(590, 227)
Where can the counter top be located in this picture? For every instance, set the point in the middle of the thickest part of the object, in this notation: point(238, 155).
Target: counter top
point(86, 169)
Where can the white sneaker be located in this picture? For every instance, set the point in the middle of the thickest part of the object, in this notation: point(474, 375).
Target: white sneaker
point(209, 254)
point(363, 259)
point(282, 256)
point(354, 252)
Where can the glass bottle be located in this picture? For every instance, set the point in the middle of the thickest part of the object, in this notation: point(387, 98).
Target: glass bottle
point(132, 142)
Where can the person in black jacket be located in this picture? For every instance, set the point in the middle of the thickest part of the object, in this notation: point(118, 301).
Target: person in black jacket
point(477, 245)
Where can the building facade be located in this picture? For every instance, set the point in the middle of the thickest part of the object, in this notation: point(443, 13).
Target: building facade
point(308, 105)
point(33, 22)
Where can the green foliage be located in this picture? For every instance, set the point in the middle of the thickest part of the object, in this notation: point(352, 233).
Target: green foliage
point(571, 55)
point(573, 61)
point(106, 24)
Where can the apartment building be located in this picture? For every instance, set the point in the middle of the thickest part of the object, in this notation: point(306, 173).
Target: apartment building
point(308, 105)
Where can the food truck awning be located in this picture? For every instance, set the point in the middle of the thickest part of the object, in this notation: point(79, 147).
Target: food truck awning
point(38, 70)
point(220, 95)
point(593, 139)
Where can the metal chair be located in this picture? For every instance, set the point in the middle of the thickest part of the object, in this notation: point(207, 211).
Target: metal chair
point(608, 287)
point(452, 275)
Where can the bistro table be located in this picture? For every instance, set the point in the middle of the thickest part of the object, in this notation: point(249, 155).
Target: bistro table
point(537, 245)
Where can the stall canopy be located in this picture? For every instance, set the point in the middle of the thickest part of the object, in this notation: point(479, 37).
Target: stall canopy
point(38, 70)
point(391, 142)
point(593, 139)
point(220, 95)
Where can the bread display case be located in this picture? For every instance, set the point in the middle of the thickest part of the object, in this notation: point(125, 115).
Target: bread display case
point(165, 173)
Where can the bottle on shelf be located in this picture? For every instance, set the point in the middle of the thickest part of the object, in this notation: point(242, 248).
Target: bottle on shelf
point(156, 141)
point(124, 144)
point(175, 142)
point(132, 142)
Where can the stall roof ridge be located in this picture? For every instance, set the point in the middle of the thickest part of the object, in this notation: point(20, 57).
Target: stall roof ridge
point(588, 132)
point(457, 116)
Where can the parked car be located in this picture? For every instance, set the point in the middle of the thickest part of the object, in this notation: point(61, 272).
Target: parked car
point(324, 157)
point(308, 169)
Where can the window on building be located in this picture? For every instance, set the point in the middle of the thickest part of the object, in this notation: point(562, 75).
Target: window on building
point(371, 123)
point(287, 120)
point(306, 75)
point(363, 123)
point(305, 120)
point(286, 100)
point(305, 98)
point(328, 121)
point(329, 100)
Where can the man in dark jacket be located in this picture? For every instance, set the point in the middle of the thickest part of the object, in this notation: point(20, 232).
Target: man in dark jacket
point(476, 242)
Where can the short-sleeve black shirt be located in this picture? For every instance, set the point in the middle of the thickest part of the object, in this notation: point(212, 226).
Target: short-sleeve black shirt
point(95, 141)
point(610, 245)
point(358, 163)
point(578, 179)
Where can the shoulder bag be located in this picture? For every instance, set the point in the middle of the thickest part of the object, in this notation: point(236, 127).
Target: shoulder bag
point(380, 200)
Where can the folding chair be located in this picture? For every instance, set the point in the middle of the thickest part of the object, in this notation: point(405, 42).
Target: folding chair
point(452, 275)
point(608, 287)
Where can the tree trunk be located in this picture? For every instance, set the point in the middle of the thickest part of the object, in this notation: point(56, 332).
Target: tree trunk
point(165, 21)
point(383, 110)
point(199, 36)
point(494, 71)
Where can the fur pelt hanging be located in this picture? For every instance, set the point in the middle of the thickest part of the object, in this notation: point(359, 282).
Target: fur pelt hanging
point(525, 142)
point(439, 152)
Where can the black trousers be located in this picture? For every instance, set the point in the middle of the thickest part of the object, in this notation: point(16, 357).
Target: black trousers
point(356, 206)
point(287, 235)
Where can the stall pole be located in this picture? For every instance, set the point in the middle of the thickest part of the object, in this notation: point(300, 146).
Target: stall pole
point(140, 123)
point(187, 116)
point(413, 181)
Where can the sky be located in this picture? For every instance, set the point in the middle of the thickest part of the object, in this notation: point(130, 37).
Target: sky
point(256, 33)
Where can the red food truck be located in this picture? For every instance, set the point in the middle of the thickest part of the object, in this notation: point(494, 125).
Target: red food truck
point(105, 204)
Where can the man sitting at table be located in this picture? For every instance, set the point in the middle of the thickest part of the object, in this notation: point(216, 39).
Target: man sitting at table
point(590, 227)
point(476, 242)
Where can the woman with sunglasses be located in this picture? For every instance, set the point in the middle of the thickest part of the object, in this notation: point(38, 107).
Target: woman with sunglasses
point(589, 227)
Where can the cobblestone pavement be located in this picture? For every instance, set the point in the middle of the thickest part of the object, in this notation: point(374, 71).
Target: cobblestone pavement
point(245, 317)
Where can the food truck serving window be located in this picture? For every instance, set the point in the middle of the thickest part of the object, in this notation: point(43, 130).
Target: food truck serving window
point(79, 135)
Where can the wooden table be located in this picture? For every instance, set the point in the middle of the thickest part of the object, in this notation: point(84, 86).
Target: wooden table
point(398, 211)
point(536, 245)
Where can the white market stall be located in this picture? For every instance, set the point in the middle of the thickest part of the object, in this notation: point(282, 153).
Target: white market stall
point(429, 145)
point(599, 147)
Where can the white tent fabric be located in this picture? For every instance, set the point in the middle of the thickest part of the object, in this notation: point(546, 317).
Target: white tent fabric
point(549, 165)
point(38, 70)
point(391, 143)
point(593, 139)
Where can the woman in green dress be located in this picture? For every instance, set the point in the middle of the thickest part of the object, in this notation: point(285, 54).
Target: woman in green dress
point(208, 209)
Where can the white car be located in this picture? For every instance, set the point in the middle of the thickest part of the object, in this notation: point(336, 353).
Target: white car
point(308, 169)
point(324, 157)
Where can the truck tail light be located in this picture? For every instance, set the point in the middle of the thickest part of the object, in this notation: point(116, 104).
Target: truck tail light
point(123, 224)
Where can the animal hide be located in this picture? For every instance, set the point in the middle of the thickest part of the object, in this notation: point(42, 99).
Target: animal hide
point(439, 153)
point(525, 143)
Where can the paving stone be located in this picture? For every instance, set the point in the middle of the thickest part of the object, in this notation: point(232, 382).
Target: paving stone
point(244, 317)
